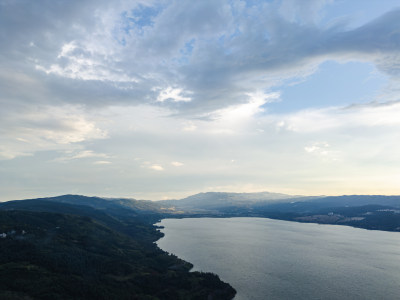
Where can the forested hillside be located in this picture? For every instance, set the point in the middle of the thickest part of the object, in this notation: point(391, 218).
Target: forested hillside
point(52, 250)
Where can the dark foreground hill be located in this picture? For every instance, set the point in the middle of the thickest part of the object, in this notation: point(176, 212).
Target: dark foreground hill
point(55, 250)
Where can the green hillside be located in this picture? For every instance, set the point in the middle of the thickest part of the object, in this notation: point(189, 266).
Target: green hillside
point(52, 250)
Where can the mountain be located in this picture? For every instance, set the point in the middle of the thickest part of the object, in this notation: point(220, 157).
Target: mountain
point(116, 206)
point(364, 211)
point(216, 200)
point(359, 200)
point(321, 203)
point(60, 248)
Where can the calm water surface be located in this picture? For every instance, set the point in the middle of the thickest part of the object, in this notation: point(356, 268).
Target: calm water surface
point(273, 259)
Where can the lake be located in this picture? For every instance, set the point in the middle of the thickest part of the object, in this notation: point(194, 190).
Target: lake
point(273, 259)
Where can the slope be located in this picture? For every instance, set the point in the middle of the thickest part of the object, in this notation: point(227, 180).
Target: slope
point(53, 250)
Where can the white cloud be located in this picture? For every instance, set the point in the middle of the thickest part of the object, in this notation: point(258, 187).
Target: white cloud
point(323, 151)
point(189, 126)
point(9, 153)
point(173, 94)
point(245, 111)
point(177, 164)
point(29, 130)
point(89, 153)
point(317, 148)
point(102, 162)
point(156, 167)
point(82, 154)
point(318, 120)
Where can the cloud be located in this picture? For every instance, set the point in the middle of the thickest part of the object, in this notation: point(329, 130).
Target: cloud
point(146, 52)
point(88, 153)
point(372, 115)
point(83, 154)
point(363, 147)
point(317, 148)
point(7, 153)
point(240, 112)
point(102, 162)
point(323, 151)
point(104, 82)
point(177, 164)
point(189, 126)
point(174, 94)
point(156, 167)
point(302, 12)
point(26, 130)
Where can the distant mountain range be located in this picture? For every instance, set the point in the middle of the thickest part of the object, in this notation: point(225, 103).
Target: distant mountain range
point(215, 200)
point(218, 200)
point(365, 211)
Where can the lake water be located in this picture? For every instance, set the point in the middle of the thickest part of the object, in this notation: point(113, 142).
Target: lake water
point(272, 259)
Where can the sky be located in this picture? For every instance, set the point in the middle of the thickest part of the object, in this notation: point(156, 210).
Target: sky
point(164, 99)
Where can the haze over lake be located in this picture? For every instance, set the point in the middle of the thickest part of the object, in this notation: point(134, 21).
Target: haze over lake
point(273, 259)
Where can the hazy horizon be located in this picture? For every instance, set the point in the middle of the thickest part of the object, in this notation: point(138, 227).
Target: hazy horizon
point(165, 99)
point(289, 196)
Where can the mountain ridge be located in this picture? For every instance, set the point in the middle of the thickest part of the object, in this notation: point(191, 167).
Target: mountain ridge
point(214, 200)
